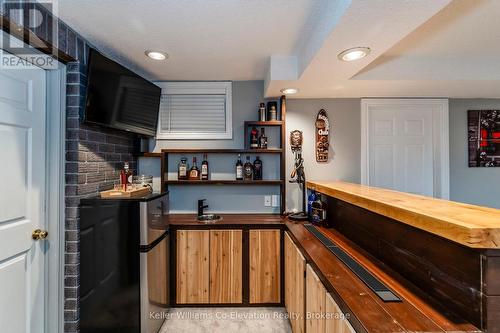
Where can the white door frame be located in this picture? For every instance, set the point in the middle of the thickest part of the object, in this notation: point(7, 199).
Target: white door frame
point(56, 147)
point(54, 196)
point(441, 155)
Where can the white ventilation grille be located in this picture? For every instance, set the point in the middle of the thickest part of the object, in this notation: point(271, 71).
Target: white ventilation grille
point(190, 111)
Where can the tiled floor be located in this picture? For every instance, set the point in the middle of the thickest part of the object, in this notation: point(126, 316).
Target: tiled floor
point(226, 320)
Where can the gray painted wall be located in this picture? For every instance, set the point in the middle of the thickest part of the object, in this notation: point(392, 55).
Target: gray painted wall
point(480, 186)
point(345, 141)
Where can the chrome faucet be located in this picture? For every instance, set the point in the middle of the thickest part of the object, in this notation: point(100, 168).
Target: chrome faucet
point(201, 206)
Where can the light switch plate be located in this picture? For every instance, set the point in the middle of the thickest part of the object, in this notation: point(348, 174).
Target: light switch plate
point(267, 200)
point(275, 200)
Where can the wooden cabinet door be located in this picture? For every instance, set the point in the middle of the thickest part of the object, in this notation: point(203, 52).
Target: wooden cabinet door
point(192, 266)
point(295, 266)
point(334, 321)
point(264, 254)
point(315, 303)
point(225, 266)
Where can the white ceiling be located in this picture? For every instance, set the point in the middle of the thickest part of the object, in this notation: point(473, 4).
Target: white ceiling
point(420, 48)
point(206, 39)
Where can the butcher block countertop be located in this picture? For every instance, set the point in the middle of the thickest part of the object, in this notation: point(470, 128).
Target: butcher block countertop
point(469, 225)
point(189, 220)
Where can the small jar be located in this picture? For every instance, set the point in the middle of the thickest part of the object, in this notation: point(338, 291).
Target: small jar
point(272, 113)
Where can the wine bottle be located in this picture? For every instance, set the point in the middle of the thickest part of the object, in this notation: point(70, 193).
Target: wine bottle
point(239, 168)
point(248, 170)
point(257, 169)
point(204, 168)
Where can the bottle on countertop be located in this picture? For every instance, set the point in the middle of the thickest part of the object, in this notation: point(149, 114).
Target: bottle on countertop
point(262, 112)
point(257, 169)
point(248, 170)
point(182, 173)
point(262, 139)
point(123, 179)
point(128, 173)
point(254, 138)
point(310, 199)
point(239, 168)
point(194, 172)
point(204, 168)
point(318, 211)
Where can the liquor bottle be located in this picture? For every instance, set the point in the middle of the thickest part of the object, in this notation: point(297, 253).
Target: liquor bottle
point(262, 112)
point(310, 199)
point(204, 168)
point(182, 169)
point(257, 169)
point(254, 138)
point(123, 179)
point(194, 172)
point(248, 170)
point(239, 169)
point(128, 174)
point(262, 139)
point(318, 211)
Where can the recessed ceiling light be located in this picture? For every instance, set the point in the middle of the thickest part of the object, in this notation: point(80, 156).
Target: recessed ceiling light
point(156, 55)
point(354, 53)
point(289, 91)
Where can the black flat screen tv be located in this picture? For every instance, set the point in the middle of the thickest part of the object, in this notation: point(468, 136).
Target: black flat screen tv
point(119, 98)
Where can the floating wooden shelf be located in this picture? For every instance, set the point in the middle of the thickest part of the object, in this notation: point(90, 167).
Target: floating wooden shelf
point(264, 123)
point(222, 151)
point(223, 182)
point(148, 154)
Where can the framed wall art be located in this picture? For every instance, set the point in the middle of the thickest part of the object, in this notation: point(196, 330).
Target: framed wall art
point(484, 138)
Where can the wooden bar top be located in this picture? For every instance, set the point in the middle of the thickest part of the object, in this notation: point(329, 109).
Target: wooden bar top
point(416, 313)
point(469, 225)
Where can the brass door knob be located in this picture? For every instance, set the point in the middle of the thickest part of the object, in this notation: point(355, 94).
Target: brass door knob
point(39, 234)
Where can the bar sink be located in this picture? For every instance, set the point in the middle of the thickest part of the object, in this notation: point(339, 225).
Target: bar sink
point(209, 218)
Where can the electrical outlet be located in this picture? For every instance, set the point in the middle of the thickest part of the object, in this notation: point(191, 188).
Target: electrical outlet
point(267, 200)
point(275, 200)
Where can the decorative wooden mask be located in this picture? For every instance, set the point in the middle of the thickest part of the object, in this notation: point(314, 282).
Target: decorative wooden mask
point(296, 140)
point(322, 136)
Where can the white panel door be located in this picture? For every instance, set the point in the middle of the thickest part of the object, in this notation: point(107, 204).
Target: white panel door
point(22, 179)
point(401, 147)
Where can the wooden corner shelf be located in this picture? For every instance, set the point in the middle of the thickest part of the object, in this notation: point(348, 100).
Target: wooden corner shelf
point(222, 151)
point(224, 182)
point(148, 155)
point(264, 123)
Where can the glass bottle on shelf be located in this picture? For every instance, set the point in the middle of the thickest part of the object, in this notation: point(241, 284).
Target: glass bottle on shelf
point(182, 169)
point(194, 172)
point(254, 138)
point(262, 139)
point(262, 112)
point(248, 170)
point(239, 168)
point(204, 168)
point(257, 169)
